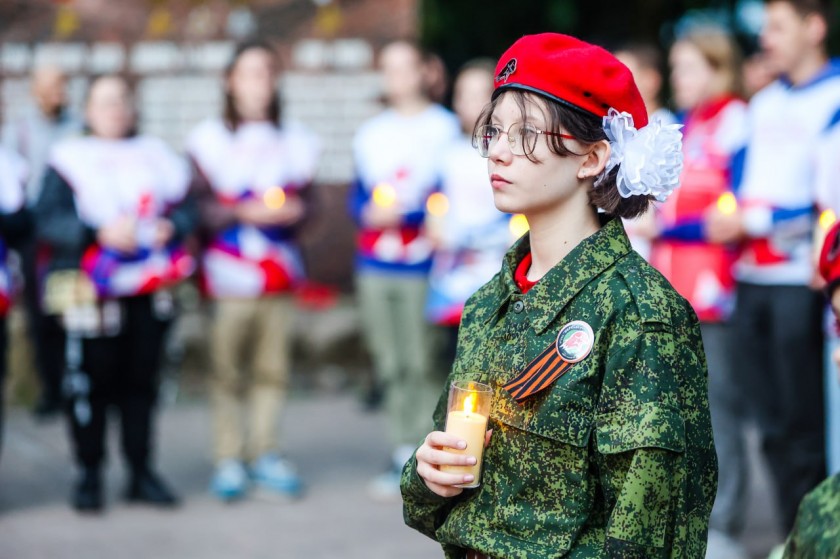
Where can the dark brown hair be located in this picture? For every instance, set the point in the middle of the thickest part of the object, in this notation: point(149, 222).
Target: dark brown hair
point(231, 116)
point(588, 129)
point(805, 8)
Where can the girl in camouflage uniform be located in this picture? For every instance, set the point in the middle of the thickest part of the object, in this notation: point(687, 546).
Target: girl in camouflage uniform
point(816, 531)
point(603, 448)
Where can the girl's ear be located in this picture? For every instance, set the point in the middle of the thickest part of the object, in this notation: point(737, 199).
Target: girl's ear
point(595, 160)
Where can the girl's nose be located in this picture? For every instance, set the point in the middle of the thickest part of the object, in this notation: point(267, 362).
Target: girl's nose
point(500, 150)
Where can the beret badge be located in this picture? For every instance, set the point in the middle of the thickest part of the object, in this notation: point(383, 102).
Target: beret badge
point(507, 71)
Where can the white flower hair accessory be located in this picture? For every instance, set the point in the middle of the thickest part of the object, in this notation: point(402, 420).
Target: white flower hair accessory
point(650, 159)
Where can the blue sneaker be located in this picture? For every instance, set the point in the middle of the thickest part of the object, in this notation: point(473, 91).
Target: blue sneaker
point(230, 482)
point(277, 476)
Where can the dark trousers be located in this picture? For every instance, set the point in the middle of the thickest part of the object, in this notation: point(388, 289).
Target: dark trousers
point(123, 372)
point(778, 350)
point(726, 403)
point(45, 332)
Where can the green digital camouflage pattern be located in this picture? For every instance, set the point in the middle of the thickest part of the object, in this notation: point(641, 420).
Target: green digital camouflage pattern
point(816, 533)
point(616, 459)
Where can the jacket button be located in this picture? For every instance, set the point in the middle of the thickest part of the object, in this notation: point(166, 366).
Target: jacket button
point(518, 307)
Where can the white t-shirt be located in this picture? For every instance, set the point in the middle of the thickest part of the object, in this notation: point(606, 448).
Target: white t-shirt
point(779, 189)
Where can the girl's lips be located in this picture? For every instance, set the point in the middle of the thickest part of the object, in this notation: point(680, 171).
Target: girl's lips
point(497, 181)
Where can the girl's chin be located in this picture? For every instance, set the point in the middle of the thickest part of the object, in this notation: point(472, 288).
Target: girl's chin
point(505, 205)
point(508, 209)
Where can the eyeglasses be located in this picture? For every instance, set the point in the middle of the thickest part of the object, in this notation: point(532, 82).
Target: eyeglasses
point(521, 137)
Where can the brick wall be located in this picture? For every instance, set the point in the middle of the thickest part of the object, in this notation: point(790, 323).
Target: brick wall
point(177, 49)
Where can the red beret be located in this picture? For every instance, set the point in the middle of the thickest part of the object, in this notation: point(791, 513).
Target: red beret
point(572, 72)
point(830, 255)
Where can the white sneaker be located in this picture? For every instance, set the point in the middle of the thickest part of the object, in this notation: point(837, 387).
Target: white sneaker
point(230, 481)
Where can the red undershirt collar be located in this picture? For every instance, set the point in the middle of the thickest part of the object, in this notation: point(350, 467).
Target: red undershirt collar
point(520, 276)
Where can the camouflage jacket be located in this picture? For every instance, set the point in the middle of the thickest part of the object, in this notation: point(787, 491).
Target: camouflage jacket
point(816, 533)
point(616, 458)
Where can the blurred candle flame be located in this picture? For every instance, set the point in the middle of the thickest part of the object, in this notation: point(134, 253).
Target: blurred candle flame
point(437, 204)
point(384, 195)
point(469, 402)
point(727, 204)
point(827, 219)
point(518, 225)
point(274, 198)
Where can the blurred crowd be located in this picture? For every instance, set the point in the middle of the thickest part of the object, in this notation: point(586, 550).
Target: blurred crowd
point(106, 221)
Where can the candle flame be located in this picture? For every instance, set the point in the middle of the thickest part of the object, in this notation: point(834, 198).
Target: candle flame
point(469, 402)
point(274, 198)
point(727, 204)
point(827, 219)
point(437, 204)
point(518, 225)
point(384, 195)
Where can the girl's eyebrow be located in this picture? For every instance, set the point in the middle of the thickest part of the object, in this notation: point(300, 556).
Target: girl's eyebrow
point(534, 120)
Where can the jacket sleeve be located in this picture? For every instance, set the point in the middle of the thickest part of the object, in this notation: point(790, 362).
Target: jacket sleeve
point(639, 481)
point(642, 445)
point(57, 221)
point(424, 510)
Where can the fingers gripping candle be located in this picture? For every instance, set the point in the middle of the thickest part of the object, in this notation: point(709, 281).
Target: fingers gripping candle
point(274, 198)
point(384, 195)
point(727, 204)
point(469, 408)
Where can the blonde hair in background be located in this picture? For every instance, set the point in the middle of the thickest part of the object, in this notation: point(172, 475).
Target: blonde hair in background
point(722, 53)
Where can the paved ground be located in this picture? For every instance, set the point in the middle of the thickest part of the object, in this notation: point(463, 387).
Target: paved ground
point(337, 447)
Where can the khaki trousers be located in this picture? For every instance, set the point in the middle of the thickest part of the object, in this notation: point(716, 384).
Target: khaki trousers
point(250, 356)
point(400, 342)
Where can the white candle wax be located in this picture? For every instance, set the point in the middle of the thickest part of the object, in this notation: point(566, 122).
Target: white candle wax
point(470, 427)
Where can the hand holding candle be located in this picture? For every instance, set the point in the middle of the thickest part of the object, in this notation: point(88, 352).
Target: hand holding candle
point(469, 408)
point(384, 195)
point(383, 210)
point(827, 219)
point(274, 198)
point(437, 206)
point(723, 220)
point(727, 204)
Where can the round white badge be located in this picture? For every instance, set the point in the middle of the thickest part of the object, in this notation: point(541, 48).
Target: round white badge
point(575, 341)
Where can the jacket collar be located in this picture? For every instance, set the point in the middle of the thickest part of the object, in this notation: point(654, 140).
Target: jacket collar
point(588, 260)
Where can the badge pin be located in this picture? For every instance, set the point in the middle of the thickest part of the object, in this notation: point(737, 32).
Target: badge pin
point(575, 341)
point(507, 71)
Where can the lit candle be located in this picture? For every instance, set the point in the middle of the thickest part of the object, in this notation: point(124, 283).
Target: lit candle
point(518, 225)
point(827, 219)
point(727, 204)
point(469, 407)
point(437, 204)
point(274, 198)
point(384, 195)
